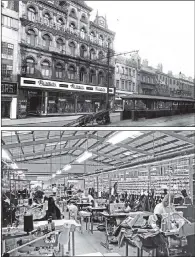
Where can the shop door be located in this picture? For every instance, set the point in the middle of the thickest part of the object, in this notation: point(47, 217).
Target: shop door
point(5, 108)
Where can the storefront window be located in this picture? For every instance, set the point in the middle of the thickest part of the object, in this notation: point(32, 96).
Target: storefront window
point(45, 68)
point(30, 63)
point(71, 72)
point(59, 70)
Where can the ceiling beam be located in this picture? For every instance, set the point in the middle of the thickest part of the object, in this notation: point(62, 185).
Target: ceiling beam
point(178, 136)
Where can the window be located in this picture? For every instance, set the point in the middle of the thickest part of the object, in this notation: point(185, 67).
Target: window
point(92, 54)
point(134, 73)
point(46, 40)
point(83, 51)
point(45, 68)
point(92, 36)
point(117, 69)
point(123, 70)
point(31, 14)
point(83, 18)
point(100, 78)
point(7, 50)
point(171, 81)
point(6, 70)
point(133, 87)
point(92, 77)
point(31, 39)
point(72, 48)
point(73, 13)
point(30, 66)
point(72, 27)
point(59, 44)
point(100, 55)
point(82, 74)
point(59, 70)
point(129, 72)
point(148, 79)
point(101, 40)
point(130, 86)
point(117, 84)
point(83, 32)
point(46, 18)
point(126, 85)
point(9, 22)
point(60, 21)
point(123, 85)
point(126, 69)
point(71, 72)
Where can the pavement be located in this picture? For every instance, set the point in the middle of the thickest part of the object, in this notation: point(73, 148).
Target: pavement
point(60, 121)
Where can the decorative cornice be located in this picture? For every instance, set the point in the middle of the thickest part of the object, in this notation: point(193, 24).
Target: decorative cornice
point(92, 24)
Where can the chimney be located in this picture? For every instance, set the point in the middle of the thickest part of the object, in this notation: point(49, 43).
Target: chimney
point(160, 67)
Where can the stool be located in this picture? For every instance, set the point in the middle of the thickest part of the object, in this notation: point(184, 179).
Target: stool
point(86, 215)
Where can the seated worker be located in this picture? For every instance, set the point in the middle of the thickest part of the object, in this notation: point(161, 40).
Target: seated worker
point(73, 210)
point(163, 207)
point(90, 198)
point(126, 208)
point(187, 199)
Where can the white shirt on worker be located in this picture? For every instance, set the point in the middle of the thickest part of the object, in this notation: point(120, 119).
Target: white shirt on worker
point(160, 209)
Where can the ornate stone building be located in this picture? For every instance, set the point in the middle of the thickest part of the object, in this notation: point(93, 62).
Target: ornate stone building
point(63, 58)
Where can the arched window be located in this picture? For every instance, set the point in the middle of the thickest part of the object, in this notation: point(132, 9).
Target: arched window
point(72, 27)
point(92, 54)
point(83, 18)
point(109, 42)
point(59, 44)
point(59, 71)
point(72, 48)
point(45, 68)
point(101, 39)
point(31, 14)
point(83, 51)
point(92, 36)
point(46, 40)
point(100, 55)
point(82, 74)
point(30, 66)
point(73, 13)
point(60, 21)
point(71, 72)
point(100, 78)
point(31, 38)
point(83, 32)
point(92, 77)
point(46, 18)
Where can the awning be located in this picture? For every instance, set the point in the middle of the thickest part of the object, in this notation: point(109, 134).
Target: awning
point(151, 97)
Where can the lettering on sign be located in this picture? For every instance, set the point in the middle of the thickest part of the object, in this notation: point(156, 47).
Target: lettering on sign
point(47, 83)
point(77, 87)
point(8, 88)
point(100, 89)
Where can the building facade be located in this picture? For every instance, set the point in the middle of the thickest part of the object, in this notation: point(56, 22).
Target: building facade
point(63, 59)
point(126, 78)
point(9, 58)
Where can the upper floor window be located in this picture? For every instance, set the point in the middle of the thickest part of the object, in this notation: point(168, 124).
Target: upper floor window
point(83, 51)
point(45, 68)
point(173, 82)
point(92, 54)
point(71, 72)
point(30, 66)
point(72, 48)
point(83, 32)
point(7, 50)
point(123, 69)
point(46, 40)
point(31, 38)
point(170, 81)
point(73, 13)
point(126, 71)
point(148, 80)
point(129, 72)
point(60, 21)
point(100, 55)
point(100, 78)
point(101, 39)
point(59, 44)
point(82, 74)
point(117, 69)
point(59, 70)
point(83, 18)
point(134, 73)
point(72, 27)
point(117, 84)
point(123, 85)
point(31, 14)
point(9, 22)
point(92, 77)
point(92, 36)
point(130, 86)
point(6, 70)
point(47, 18)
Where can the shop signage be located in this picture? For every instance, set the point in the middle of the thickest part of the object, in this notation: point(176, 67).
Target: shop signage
point(8, 88)
point(38, 83)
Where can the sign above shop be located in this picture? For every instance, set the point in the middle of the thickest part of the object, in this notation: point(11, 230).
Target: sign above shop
point(8, 88)
point(47, 84)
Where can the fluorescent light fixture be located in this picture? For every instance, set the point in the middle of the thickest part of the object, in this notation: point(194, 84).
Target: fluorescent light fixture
point(86, 155)
point(54, 175)
point(14, 166)
point(127, 153)
point(5, 155)
point(122, 135)
point(58, 172)
point(67, 167)
point(56, 143)
point(23, 132)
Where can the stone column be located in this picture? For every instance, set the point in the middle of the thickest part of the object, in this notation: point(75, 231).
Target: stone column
point(46, 102)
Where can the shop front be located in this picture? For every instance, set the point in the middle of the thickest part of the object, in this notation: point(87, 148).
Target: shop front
point(8, 100)
point(42, 97)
